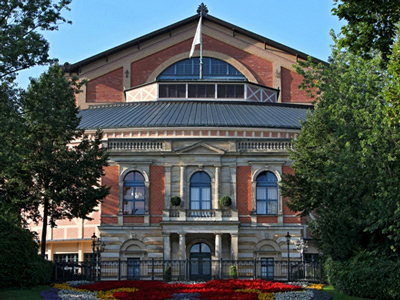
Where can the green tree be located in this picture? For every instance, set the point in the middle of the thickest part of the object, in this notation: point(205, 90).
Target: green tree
point(62, 167)
point(21, 46)
point(344, 163)
point(21, 43)
point(371, 25)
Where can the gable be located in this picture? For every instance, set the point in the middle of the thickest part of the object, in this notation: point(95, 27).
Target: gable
point(200, 149)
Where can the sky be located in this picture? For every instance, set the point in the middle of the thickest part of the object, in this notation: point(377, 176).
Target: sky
point(99, 25)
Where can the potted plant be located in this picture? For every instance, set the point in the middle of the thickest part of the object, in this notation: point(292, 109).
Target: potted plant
point(175, 201)
point(233, 272)
point(225, 201)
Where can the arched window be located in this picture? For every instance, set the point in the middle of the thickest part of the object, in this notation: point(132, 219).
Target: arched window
point(267, 194)
point(134, 193)
point(200, 191)
point(188, 69)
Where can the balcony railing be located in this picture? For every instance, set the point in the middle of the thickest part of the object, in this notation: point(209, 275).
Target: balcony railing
point(261, 145)
point(179, 214)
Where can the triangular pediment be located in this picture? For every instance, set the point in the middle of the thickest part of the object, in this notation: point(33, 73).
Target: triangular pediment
point(200, 149)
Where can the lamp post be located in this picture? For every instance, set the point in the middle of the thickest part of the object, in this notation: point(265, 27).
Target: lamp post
point(97, 247)
point(288, 236)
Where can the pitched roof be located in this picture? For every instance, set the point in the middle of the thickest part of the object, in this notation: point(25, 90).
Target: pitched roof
point(194, 114)
point(235, 29)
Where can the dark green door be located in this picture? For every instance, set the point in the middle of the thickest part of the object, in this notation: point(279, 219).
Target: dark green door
point(200, 262)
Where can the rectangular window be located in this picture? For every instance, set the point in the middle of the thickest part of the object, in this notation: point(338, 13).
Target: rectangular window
point(134, 200)
point(201, 91)
point(172, 90)
point(71, 257)
point(235, 91)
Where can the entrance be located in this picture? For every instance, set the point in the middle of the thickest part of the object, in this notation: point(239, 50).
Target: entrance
point(200, 262)
point(133, 269)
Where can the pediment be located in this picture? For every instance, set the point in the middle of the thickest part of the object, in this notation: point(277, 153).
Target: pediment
point(200, 149)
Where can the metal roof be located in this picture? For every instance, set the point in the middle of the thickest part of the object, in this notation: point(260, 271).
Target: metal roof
point(194, 114)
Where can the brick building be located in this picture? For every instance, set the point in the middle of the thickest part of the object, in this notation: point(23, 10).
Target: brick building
point(170, 133)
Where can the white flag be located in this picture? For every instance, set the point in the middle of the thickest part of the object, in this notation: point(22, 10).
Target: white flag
point(197, 38)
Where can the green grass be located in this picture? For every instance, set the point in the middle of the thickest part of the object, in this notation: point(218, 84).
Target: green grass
point(339, 296)
point(26, 294)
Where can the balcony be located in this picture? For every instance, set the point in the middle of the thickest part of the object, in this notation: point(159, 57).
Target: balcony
point(197, 215)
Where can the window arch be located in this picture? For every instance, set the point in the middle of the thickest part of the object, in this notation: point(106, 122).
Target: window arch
point(267, 193)
point(134, 193)
point(213, 68)
point(200, 191)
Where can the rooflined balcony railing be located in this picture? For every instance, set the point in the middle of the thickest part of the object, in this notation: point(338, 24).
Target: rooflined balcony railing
point(176, 214)
point(267, 145)
point(135, 145)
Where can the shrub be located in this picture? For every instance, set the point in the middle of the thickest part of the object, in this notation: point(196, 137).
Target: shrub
point(168, 273)
point(233, 272)
point(20, 266)
point(366, 275)
point(175, 201)
point(225, 201)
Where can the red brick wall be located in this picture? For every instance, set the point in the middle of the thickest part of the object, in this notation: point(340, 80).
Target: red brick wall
point(110, 205)
point(260, 68)
point(157, 193)
point(286, 210)
point(290, 82)
point(265, 219)
point(106, 88)
point(243, 192)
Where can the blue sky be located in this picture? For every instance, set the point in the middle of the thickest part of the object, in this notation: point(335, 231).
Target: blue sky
point(98, 25)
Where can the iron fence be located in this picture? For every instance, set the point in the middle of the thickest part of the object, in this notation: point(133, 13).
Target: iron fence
point(194, 270)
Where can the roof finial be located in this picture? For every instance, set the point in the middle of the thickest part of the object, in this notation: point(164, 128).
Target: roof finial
point(202, 10)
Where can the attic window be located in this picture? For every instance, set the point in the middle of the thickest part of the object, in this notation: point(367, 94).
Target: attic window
point(189, 69)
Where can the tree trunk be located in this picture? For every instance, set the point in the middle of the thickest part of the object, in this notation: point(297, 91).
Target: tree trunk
point(44, 228)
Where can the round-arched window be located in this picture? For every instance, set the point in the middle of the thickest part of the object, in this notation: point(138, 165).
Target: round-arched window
point(134, 193)
point(267, 194)
point(189, 69)
point(200, 191)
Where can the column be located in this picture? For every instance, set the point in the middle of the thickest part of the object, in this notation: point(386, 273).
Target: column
point(234, 246)
point(218, 246)
point(167, 247)
point(167, 187)
point(182, 246)
point(182, 184)
point(216, 188)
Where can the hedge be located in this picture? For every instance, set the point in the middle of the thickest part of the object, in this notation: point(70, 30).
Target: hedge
point(366, 276)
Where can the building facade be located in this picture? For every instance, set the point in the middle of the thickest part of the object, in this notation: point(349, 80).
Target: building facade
point(173, 131)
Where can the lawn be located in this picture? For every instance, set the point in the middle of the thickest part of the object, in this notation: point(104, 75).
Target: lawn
point(339, 296)
point(31, 294)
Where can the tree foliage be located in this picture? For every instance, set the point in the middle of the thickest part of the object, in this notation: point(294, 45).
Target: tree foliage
point(371, 25)
point(21, 43)
point(347, 171)
point(61, 166)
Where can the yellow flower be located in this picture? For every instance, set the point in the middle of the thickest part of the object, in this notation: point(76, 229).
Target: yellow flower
point(315, 286)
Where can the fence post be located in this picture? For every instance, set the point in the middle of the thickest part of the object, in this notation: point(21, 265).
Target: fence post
point(220, 269)
point(55, 271)
point(119, 268)
point(186, 269)
point(152, 268)
point(320, 270)
point(255, 269)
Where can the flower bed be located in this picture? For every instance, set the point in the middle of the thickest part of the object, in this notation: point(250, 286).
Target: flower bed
point(233, 289)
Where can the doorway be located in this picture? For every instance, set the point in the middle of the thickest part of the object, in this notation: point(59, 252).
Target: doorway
point(200, 262)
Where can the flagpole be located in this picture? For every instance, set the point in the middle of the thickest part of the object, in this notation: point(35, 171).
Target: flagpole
point(201, 44)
